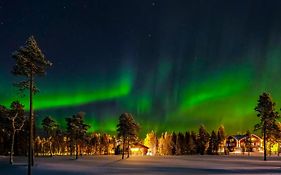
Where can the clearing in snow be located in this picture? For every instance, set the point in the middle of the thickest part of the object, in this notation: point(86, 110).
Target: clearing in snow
point(144, 165)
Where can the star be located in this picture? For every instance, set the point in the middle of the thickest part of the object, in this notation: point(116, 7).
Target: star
point(153, 3)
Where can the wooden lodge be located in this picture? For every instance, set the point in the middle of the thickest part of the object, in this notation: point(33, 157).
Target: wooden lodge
point(138, 149)
point(237, 143)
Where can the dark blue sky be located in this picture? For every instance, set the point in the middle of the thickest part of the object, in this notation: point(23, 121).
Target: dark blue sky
point(165, 61)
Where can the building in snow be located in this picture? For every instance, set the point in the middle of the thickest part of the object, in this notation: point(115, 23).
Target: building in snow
point(237, 143)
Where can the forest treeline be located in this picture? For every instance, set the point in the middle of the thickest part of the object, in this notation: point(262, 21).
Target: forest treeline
point(76, 140)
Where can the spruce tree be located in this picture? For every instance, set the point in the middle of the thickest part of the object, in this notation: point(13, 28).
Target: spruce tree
point(76, 129)
point(213, 149)
point(221, 139)
point(268, 116)
point(127, 130)
point(203, 140)
point(180, 144)
point(50, 126)
point(248, 142)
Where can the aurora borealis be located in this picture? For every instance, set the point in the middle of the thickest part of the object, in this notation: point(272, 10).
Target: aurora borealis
point(173, 64)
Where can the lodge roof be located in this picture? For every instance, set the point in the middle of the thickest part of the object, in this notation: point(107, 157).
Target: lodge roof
point(138, 145)
point(242, 136)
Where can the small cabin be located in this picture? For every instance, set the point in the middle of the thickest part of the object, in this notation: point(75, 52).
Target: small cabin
point(138, 149)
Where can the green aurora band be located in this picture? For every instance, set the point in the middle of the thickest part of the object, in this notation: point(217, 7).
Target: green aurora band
point(219, 99)
point(174, 68)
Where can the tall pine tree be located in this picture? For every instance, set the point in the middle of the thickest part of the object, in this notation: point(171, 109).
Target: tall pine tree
point(30, 62)
point(268, 116)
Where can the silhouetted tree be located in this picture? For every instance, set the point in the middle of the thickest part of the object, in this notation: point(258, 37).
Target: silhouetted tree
point(30, 62)
point(50, 126)
point(15, 117)
point(186, 140)
point(221, 139)
point(76, 129)
point(174, 143)
point(58, 139)
point(105, 143)
point(127, 130)
point(190, 147)
point(180, 144)
point(213, 146)
point(194, 143)
point(165, 144)
point(268, 116)
point(4, 130)
point(248, 142)
point(151, 142)
point(203, 140)
point(95, 141)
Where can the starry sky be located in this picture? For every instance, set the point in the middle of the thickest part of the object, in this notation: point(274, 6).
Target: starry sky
point(173, 64)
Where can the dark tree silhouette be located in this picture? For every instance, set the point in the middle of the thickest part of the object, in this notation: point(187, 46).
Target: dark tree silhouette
point(30, 62)
point(190, 143)
point(77, 129)
point(50, 126)
point(248, 142)
point(16, 119)
point(174, 143)
point(4, 130)
point(193, 143)
point(268, 116)
point(221, 139)
point(203, 139)
point(127, 130)
point(213, 146)
point(180, 144)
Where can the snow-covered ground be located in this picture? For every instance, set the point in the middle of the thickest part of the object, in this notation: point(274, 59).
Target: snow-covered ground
point(145, 165)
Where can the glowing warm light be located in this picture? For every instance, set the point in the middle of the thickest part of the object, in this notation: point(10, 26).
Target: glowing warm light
point(135, 149)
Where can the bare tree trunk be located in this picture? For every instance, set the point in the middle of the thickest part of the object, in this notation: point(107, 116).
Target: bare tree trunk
point(264, 143)
point(50, 147)
point(76, 151)
point(123, 151)
point(70, 147)
point(12, 147)
point(30, 150)
point(43, 149)
point(128, 149)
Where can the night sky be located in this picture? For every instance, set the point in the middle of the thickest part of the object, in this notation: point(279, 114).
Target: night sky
point(174, 64)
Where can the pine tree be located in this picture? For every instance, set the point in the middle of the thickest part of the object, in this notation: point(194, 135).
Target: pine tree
point(30, 62)
point(268, 116)
point(15, 121)
point(180, 144)
point(194, 143)
point(174, 143)
point(95, 142)
point(151, 142)
point(4, 130)
point(189, 143)
point(213, 149)
point(186, 141)
point(127, 130)
point(76, 129)
point(248, 142)
point(203, 140)
point(221, 139)
point(50, 126)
